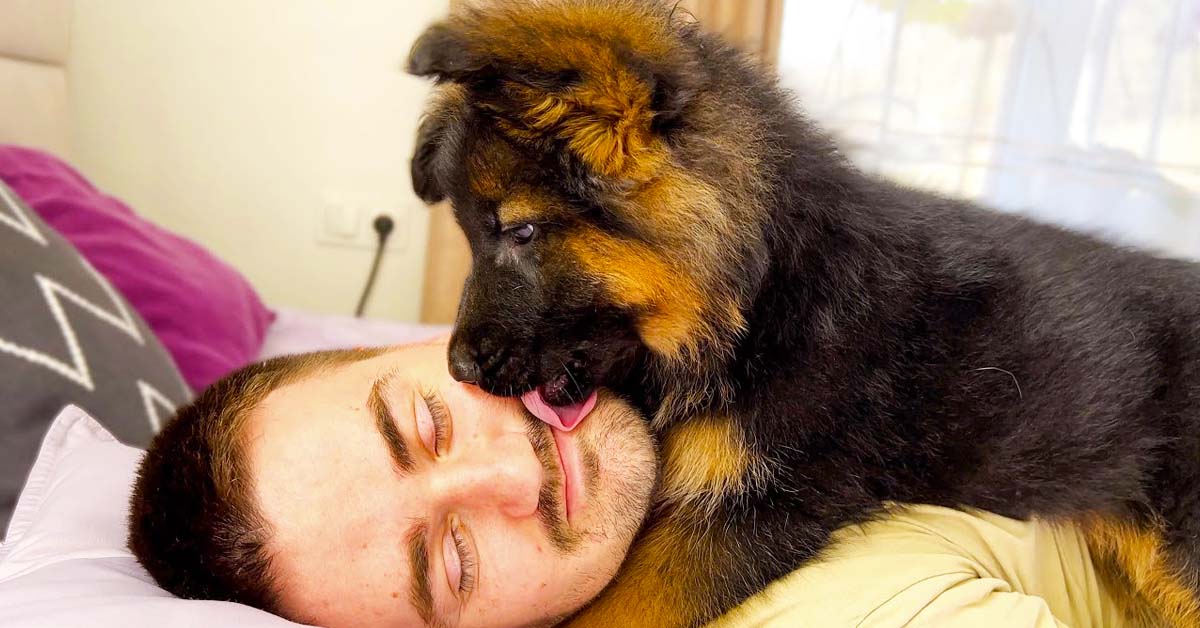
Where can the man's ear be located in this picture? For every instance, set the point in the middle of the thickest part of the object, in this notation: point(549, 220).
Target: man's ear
point(422, 168)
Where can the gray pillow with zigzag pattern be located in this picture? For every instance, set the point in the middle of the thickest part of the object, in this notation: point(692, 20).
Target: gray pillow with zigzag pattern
point(67, 337)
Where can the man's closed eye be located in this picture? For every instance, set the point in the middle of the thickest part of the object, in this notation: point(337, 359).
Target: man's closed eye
point(433, 424)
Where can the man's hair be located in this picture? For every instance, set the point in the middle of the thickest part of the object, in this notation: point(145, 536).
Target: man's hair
point(193, 521)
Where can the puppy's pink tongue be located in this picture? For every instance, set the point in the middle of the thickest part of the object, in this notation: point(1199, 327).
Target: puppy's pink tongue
point(564, 418)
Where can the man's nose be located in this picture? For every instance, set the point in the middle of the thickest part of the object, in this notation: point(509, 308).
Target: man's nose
point(506, 475)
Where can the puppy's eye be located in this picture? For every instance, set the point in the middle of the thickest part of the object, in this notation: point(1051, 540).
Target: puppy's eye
point(521, 234)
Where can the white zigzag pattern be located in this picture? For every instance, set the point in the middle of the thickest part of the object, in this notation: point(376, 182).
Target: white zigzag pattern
point(54, 293)
point(19, 220)
point(77, 369)
point(151, 398)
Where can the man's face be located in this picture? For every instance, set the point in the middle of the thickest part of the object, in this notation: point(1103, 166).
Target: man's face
point(399, 497)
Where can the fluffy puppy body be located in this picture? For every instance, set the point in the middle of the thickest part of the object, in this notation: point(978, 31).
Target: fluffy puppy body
point(811, 342)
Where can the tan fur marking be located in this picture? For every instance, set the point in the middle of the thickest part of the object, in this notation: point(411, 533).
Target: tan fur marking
point(1144, 573)
point(605, 118)
point(659, 584)
point(705, 460)
point(517, 211)
point(488, 169)
point(693, 223)
point(528, 205)
point(485, 182)
point(605, 123)
point(675, 281)
point(637, 276)
point(677, 204)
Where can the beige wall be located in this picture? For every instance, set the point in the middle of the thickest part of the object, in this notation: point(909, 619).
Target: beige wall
point(231, 121)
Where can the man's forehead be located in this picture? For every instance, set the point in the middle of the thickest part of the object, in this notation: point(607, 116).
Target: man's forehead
point(344, 577)
point(359, 368)
point(337, 532)
point(306, 458)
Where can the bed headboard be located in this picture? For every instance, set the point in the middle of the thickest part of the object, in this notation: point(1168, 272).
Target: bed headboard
point(35, 39)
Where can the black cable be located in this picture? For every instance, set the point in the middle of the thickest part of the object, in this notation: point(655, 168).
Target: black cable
point(383, 226)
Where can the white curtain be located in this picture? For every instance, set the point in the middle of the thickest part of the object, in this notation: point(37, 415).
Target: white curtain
point(1081, 112)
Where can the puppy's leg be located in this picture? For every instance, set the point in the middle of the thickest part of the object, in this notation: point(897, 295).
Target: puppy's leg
point(1149, 569)
point(718, 538)
point(660, 584)
point(691, 566)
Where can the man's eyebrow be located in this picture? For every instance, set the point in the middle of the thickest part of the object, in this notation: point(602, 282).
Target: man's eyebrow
point(419, 592)
point(401, 458)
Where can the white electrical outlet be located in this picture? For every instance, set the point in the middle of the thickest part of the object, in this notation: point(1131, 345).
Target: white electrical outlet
point(351, 226)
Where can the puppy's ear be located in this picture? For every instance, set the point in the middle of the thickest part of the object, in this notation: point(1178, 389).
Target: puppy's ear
point(444, 53)
point(425, 178)
point(605, 81)
point(448, 52)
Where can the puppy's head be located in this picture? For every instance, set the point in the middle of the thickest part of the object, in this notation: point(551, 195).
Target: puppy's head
point(605, 174)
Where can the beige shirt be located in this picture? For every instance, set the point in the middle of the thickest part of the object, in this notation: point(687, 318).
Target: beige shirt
point(932, 566)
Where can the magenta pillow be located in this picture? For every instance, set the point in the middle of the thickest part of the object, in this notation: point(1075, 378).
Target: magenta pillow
point(204, 312)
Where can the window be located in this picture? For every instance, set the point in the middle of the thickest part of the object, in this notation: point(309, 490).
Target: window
point(1080, 112)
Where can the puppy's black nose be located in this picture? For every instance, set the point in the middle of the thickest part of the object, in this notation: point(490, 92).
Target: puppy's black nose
point(463, 365)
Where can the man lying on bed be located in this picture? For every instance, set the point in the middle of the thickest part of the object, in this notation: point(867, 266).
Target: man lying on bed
point(368, 488)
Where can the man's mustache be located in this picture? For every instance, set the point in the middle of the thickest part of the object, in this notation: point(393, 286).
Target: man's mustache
point(550, 496)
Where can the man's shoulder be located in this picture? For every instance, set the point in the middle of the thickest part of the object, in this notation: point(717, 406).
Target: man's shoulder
point(921, 564)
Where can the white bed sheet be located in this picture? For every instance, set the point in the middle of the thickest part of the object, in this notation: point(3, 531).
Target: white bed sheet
point(65, 563)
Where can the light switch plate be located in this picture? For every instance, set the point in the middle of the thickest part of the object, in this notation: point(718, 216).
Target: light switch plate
point(349, 225)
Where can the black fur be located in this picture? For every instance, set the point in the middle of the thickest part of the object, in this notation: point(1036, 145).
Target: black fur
point(901, 346)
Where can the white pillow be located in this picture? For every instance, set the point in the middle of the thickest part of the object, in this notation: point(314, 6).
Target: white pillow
point(64, 561)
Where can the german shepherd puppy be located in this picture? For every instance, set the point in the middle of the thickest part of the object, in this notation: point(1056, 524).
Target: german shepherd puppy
point(647, 211)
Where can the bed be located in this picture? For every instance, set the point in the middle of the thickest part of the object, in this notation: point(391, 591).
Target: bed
point(107, 322)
